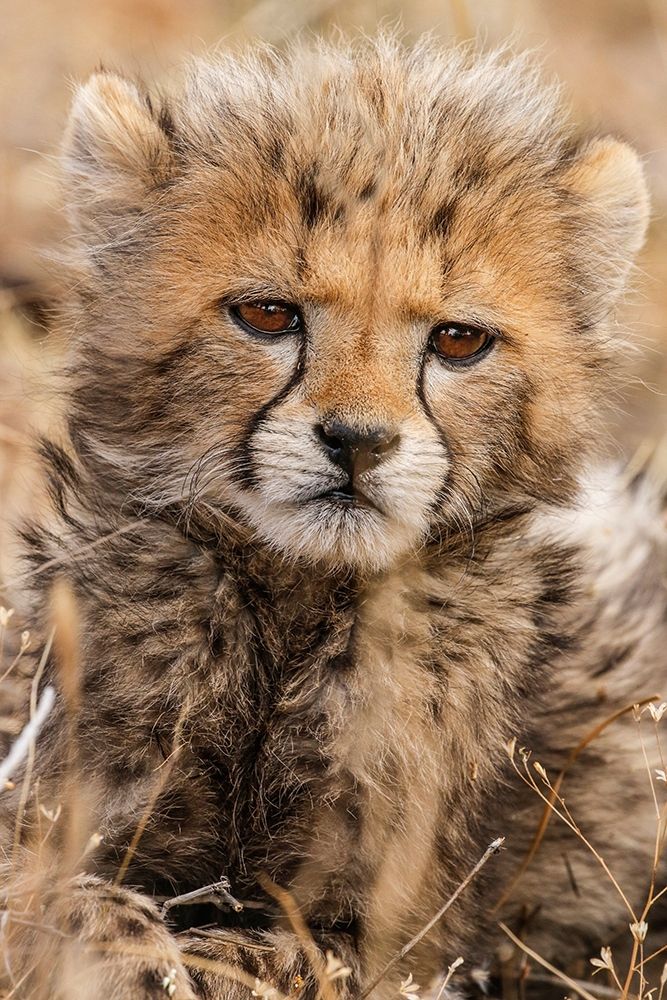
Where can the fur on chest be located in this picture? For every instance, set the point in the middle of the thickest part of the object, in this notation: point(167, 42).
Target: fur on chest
point(318, 717)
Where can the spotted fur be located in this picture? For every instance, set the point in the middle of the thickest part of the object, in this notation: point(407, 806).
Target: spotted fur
point(330, 690)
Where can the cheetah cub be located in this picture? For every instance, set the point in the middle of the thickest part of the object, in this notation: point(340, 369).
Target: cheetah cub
point(331, 512)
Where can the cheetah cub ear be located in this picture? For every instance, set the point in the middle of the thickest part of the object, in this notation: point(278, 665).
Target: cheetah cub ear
point(607, 180)
point(114, 152)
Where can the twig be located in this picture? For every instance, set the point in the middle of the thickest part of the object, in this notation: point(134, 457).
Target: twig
point(17, 918)
point(164, 769)
point(25, 644)
point(27, 736)
point(27, 778)
point(493, 848)
point(572, 983)
point(596, 989)
point(216, 893)
point(567, 818)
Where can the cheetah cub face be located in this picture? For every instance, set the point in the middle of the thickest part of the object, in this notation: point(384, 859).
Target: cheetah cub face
point(355, 297)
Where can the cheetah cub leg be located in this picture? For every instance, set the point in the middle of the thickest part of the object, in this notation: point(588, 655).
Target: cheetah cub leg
point(268, 963)
point(92, 939)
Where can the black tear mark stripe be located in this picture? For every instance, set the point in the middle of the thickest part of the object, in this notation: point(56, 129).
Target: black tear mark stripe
point(246, 475)
point(421, 396)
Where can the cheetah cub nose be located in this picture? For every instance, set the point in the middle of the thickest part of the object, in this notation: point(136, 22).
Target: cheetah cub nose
point(354, 450)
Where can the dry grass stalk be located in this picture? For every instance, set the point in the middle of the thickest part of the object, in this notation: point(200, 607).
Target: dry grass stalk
point(25, 790)
point(164, 772)
point(289, 907)
point(639, 920)
point(28, 736)
point(573, 984)
point(65, 618)
point(73, 555)
point(492, 849)
point(547, 812)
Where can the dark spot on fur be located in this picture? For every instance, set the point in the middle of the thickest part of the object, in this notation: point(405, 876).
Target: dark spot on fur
point(166, 122)
point(471, 175)
point(614, 659)
point(317, 205)
point(171, 363)
point(275, 155)
point(151, 981)
point(441, 221)
point(150, 916)
point(131, 927)
point(75, 922)
point(368, 190)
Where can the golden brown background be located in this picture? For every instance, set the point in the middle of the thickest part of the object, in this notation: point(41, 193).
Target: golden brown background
point(610, 54)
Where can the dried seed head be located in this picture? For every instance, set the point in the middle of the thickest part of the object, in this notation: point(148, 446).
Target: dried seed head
point(409, 989)
point(657, 711)
point(541, 771)
point(94, 842)
point(169, 983)
point(335, 969)
point(5, 615)
point(639, 930)
point(51, 814)
point(605, 961)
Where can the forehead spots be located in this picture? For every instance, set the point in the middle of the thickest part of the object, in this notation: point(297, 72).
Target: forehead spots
point(317, 205)
point(440, 222)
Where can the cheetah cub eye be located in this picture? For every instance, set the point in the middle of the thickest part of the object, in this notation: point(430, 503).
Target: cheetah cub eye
point(459, 344)
point(273, 319)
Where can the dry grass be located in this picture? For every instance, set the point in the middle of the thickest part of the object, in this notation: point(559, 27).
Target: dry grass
point(640, 978)
point(612, 57)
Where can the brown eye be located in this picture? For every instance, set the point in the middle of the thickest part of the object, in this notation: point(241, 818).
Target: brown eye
point(267, 317)
point(460, 343)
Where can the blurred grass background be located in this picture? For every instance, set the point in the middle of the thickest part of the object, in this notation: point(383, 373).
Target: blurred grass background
point(610, 54)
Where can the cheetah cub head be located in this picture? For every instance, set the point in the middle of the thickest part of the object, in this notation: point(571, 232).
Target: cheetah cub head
point(354, 298)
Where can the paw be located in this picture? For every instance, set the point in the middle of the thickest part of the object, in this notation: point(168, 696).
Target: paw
point(116, 946)
point(226, 966)
point(237, 965)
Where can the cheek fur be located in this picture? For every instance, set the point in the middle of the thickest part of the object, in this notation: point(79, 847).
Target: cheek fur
point(484, 413)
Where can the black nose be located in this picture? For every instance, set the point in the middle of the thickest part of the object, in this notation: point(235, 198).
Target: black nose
point(356, 450)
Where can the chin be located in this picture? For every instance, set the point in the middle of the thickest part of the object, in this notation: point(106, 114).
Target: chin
point(328, 532)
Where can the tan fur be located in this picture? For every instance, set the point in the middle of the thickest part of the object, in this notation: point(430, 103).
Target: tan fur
point(332, 687)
